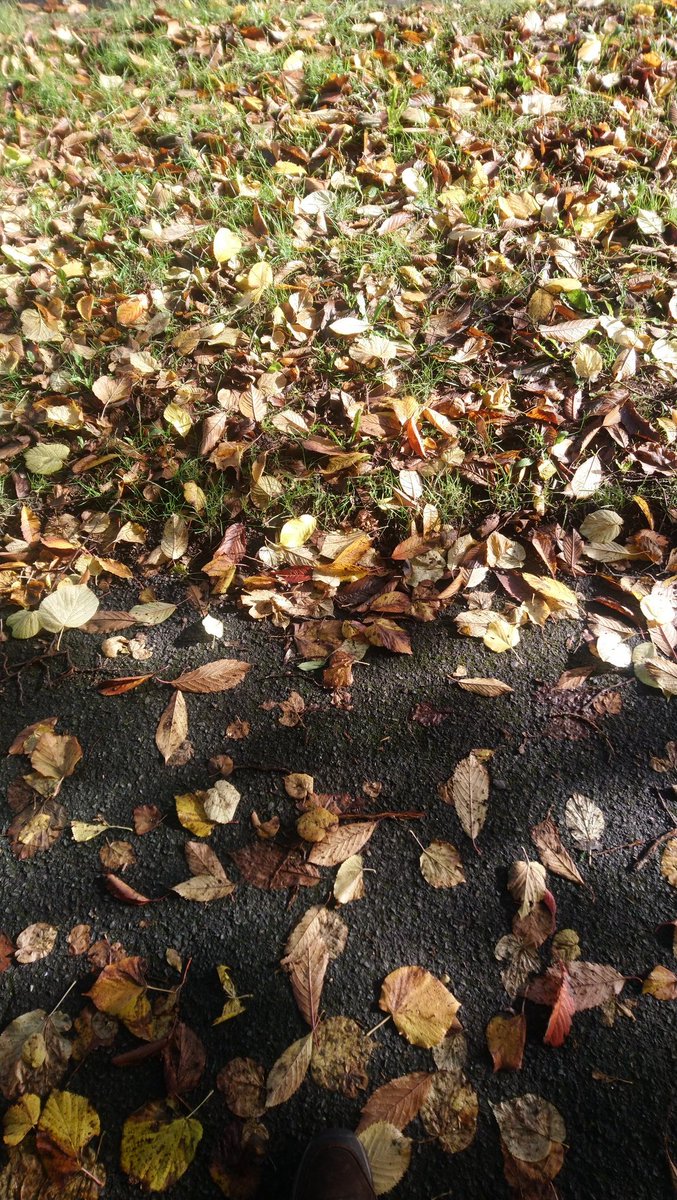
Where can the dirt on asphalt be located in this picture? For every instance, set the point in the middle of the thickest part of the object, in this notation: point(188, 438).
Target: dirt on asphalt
point(614, 1129)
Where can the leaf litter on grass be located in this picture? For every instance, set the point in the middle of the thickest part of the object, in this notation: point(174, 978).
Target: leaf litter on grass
point(360, 373)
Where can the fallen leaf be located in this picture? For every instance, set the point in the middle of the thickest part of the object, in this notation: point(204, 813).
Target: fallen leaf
point(661, 984)
point(172, 729)
point(389, 1154)
point(35, 942)
point(450, 1110)
point(526, 884)
point(218, 676)
point(340, 1057)
point(528, 1126)
point(288, 1073)
point(242, 1083)
point(468, 791)
point(484, 687)
point(398, 1102)
point(585, 821)
point(552, 853)
point(506, 1039)
point(441, 865)
point(157, 1147)
point(420, 1005)
point(342, 842)
point(349, 882)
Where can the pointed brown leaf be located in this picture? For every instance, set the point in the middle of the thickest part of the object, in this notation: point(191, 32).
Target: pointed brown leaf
point(123, 683)
point(397, 1102)
point(172, 728)
point(218, 676)
point(553, 854)
point(506, 1038)
point(341, 843)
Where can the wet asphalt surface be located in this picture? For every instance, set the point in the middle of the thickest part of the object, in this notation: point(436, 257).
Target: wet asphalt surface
point(614, 1129)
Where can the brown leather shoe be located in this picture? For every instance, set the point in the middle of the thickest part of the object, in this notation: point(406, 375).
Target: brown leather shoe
point(334, 1167)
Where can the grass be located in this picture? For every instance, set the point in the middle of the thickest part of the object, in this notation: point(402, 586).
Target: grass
point(170, 133)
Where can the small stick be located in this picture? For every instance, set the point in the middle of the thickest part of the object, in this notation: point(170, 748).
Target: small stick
point(381, 1023)
point(644, 857)
point(393, 816)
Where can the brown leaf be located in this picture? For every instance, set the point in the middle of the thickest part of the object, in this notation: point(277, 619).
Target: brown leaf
point(319, 937)
point(6, 952)
point(35, 942)
point(243, 1084)
point(117, 856)
point(26, 740)
point(184, 1060)
point(265, 865)
point(470, 794)
point(79, 939)
point(341, 843)
point(484, 687)
point(288, 1073)
point(123, 683)
point(397, 1102)
point(506, 1039)
point(36, 827)
point(526, 884)
point(146, 818)
point(591, 984)
point(218, 676)
point(172, 728)
point(553, 854)
point(55, 755)
point(123, 892)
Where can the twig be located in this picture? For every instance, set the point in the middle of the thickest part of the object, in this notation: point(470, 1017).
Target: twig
point(644, 857)
point(384, 816)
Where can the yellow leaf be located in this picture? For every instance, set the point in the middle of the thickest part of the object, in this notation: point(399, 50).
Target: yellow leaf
point(46, 458)
point(389, 1154)
point(295, 533)
point(179, 418)
point(194, 495)
point(69, 1121)
point(20, 1119)
point(157, 1149)
point(420, 1005)
point(190, 810)
point(557, 595)
point(259, 277)
point(226, 245)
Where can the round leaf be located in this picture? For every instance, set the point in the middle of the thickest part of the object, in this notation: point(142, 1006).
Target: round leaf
point(47, 458)
point(69, 607)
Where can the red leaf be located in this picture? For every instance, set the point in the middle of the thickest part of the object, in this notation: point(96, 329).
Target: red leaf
point(126, 894)
point(124, 683)
point(562, 1012)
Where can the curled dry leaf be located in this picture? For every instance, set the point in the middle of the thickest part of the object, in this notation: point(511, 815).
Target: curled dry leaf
point(220, 802)
point(35, 942)
point(484, 687)
point(349, 882)
point(521, 961)
point(449, 1111)
point(389, 1154)
point(441, 865)
point(421, 1006)
point(288, 1073)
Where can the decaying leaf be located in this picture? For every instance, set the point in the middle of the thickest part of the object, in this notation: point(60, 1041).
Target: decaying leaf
point(660, 983)
point(34, 1053)
point(420, 1005)
point(449, 1111)
point(319, 938)
point(242, 1083)
point(340, 1057)
point(35, 942)
point(529, 1125)
point(341, 842)
point(669, 862)
point(468, 791)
